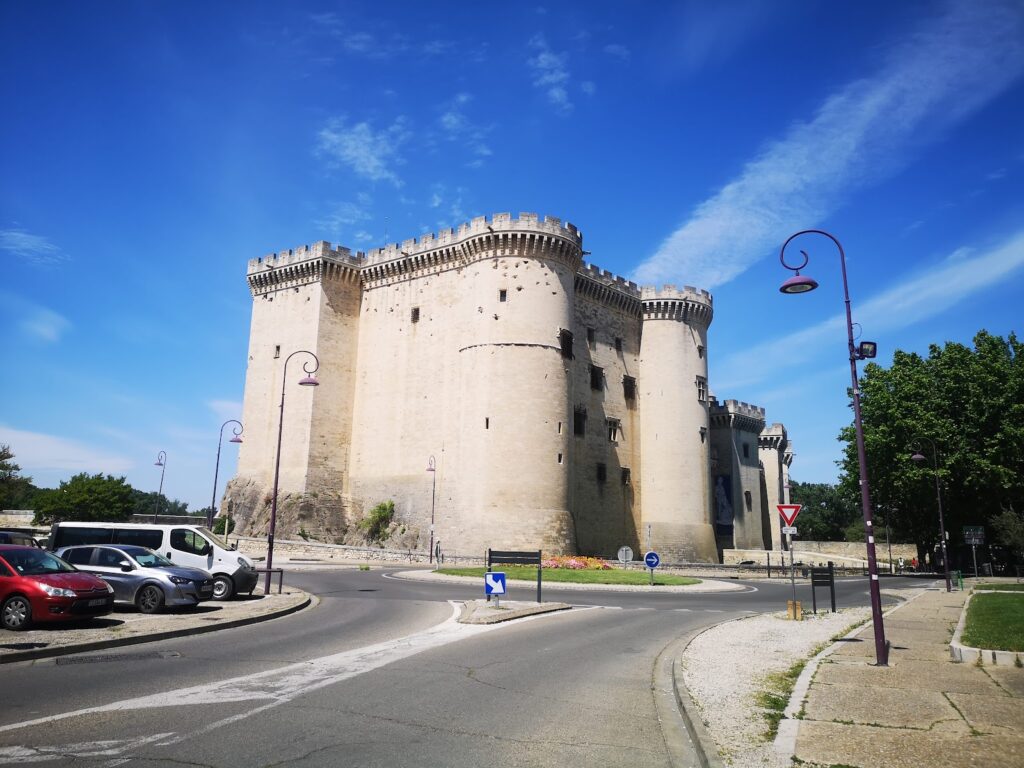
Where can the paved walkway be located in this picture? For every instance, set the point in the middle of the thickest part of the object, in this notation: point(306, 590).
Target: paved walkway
point(921, 710)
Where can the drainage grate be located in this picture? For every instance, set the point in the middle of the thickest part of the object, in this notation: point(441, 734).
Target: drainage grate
point(103, 657)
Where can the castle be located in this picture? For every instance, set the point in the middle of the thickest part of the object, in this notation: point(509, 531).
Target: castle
point(555, 405)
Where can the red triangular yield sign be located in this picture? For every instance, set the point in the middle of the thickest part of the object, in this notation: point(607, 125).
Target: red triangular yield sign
point(789, 512)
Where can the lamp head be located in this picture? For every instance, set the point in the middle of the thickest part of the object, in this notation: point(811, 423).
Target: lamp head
point(308, 381)
point(235, 439)
point(867, 350)
point(798, 284)
point(918, 457)
point(158, 463)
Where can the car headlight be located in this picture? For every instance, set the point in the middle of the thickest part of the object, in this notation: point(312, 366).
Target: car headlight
point(179, 580)
point(245, 563)
point(58, 591)
point(110, 589)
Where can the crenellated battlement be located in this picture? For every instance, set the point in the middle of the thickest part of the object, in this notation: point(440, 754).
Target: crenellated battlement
point(319, 249)
point(773, 437)
point(689, 305)
point(738, 414)
point(497, 224)
point(671, 292)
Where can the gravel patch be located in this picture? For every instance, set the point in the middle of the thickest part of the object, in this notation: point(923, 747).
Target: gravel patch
point(724, 668)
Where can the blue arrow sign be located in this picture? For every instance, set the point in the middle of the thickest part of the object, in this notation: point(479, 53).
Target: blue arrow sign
point(651, 560)
point(494, 583)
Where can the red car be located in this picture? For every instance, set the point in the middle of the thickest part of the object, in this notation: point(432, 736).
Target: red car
point(36, 586)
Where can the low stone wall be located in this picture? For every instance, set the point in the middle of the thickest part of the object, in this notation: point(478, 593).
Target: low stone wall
point(820, 552)
point(314, 551)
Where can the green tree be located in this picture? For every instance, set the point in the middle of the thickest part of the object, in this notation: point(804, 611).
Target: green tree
point(826, 513)
point(151, 502)
point(16, 491)
point(85, 498)
point(970, 402)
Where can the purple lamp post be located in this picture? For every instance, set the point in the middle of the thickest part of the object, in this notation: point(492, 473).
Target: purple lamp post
point(432, 469)
point(309, 380)
point(216, 470)
point(919, 457)
point(867, 349)
point(161, 461)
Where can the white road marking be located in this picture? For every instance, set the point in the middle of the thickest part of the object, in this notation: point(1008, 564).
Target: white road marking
point(21, 755)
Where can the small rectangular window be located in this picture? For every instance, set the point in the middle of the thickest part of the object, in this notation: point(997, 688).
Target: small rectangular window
point(746, 451)
point(559, 427)
point(613, 429)
point(602, 471)
point(415, 314)
point(596, 377)
point(626, 479)
point(629, 387)
point(487, 422)
point(559, 458)
point(591, 338)
point(702, 389)
point(565, 342)
point(277, 351)
point(618, 343)
point(579, 421)
point(502, 295)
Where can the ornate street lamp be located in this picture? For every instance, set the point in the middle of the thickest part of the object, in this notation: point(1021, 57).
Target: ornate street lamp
point(802, 284)
point(216, 470)
point(919, 457)
point(432, 469)
point(309, 380)
point(161, 461)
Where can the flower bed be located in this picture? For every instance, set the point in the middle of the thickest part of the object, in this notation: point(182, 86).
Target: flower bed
point(576, 563)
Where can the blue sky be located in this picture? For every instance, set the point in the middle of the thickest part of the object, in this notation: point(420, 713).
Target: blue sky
point(149, 149)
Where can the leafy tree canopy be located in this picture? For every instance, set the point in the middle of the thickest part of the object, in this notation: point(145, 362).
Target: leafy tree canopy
point(16, 491)
point(86, 497)
point(969, 401)
point(826, 513)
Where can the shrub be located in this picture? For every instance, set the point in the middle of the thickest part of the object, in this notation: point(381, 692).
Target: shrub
point(377, 522)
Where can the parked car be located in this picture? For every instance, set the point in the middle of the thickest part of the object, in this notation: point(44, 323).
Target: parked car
point(17, 537)
point(192, 546)
point(37, 586)
point(141, 576)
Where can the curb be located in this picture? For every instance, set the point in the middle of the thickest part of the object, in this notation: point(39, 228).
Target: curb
point(719, 585)
point(117, 642)
point(964, 653)
point(699, 748)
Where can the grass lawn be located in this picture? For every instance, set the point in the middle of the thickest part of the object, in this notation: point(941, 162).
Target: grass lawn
point(614, 576)
point(995, 622)
point(1001, 587)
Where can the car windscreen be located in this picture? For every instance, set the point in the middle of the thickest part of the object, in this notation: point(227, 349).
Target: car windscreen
point(35, 562)
point(148, 559)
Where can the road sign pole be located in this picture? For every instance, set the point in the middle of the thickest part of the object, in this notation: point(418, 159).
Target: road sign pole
point(792, 569)
point(974, 556)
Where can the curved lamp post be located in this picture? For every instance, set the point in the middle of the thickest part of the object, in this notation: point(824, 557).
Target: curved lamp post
point(919, 457)
point(432, 469)
point(309, 380)
point(161, 461)
point(216, 470)
point(802, 284)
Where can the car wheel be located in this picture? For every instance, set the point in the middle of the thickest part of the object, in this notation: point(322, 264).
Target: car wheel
point(17, 613)
point(223, 587)
point(150, 599)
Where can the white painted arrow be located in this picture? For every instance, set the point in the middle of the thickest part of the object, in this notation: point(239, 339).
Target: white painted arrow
point(497, 586)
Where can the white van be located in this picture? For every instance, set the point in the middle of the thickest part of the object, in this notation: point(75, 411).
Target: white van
point(189, 545)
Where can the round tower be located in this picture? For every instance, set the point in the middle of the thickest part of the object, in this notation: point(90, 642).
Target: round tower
point(516, 419)
point(675, 469)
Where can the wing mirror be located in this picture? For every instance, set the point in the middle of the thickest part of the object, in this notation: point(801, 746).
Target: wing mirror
point(126, 566)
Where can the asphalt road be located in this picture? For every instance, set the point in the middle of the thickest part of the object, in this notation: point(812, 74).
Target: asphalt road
point(377, 675)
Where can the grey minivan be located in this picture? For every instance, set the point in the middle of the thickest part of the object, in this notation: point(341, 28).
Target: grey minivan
point(141, 576)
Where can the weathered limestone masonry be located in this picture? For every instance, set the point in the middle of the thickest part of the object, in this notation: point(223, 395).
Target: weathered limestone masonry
point(565, 407)
point(740, 520)
point(772, 449)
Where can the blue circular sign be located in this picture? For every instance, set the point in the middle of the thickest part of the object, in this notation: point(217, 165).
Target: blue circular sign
point(651, 560)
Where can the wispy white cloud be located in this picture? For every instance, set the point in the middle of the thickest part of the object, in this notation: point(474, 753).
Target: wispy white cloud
point(345, 214)
point(708, 33)
point(913, 300)
point(368, 152)
point(950, 67)
point(456, 126)
point(34, 249)
point(449, 203)
point(35, 321)
point(551, 73)
point(618, 51)
point(225, 409)
point(36, 453)
point(588, 87)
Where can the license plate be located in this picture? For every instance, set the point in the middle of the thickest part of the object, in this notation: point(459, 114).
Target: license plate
point(100, 601)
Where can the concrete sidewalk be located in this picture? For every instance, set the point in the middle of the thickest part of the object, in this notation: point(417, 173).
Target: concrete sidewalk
point(921, 710)
point(127, 626)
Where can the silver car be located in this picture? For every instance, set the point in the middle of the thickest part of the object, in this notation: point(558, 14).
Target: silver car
point(141, 576)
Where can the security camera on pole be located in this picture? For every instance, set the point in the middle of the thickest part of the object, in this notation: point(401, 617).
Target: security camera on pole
point(789, 513)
